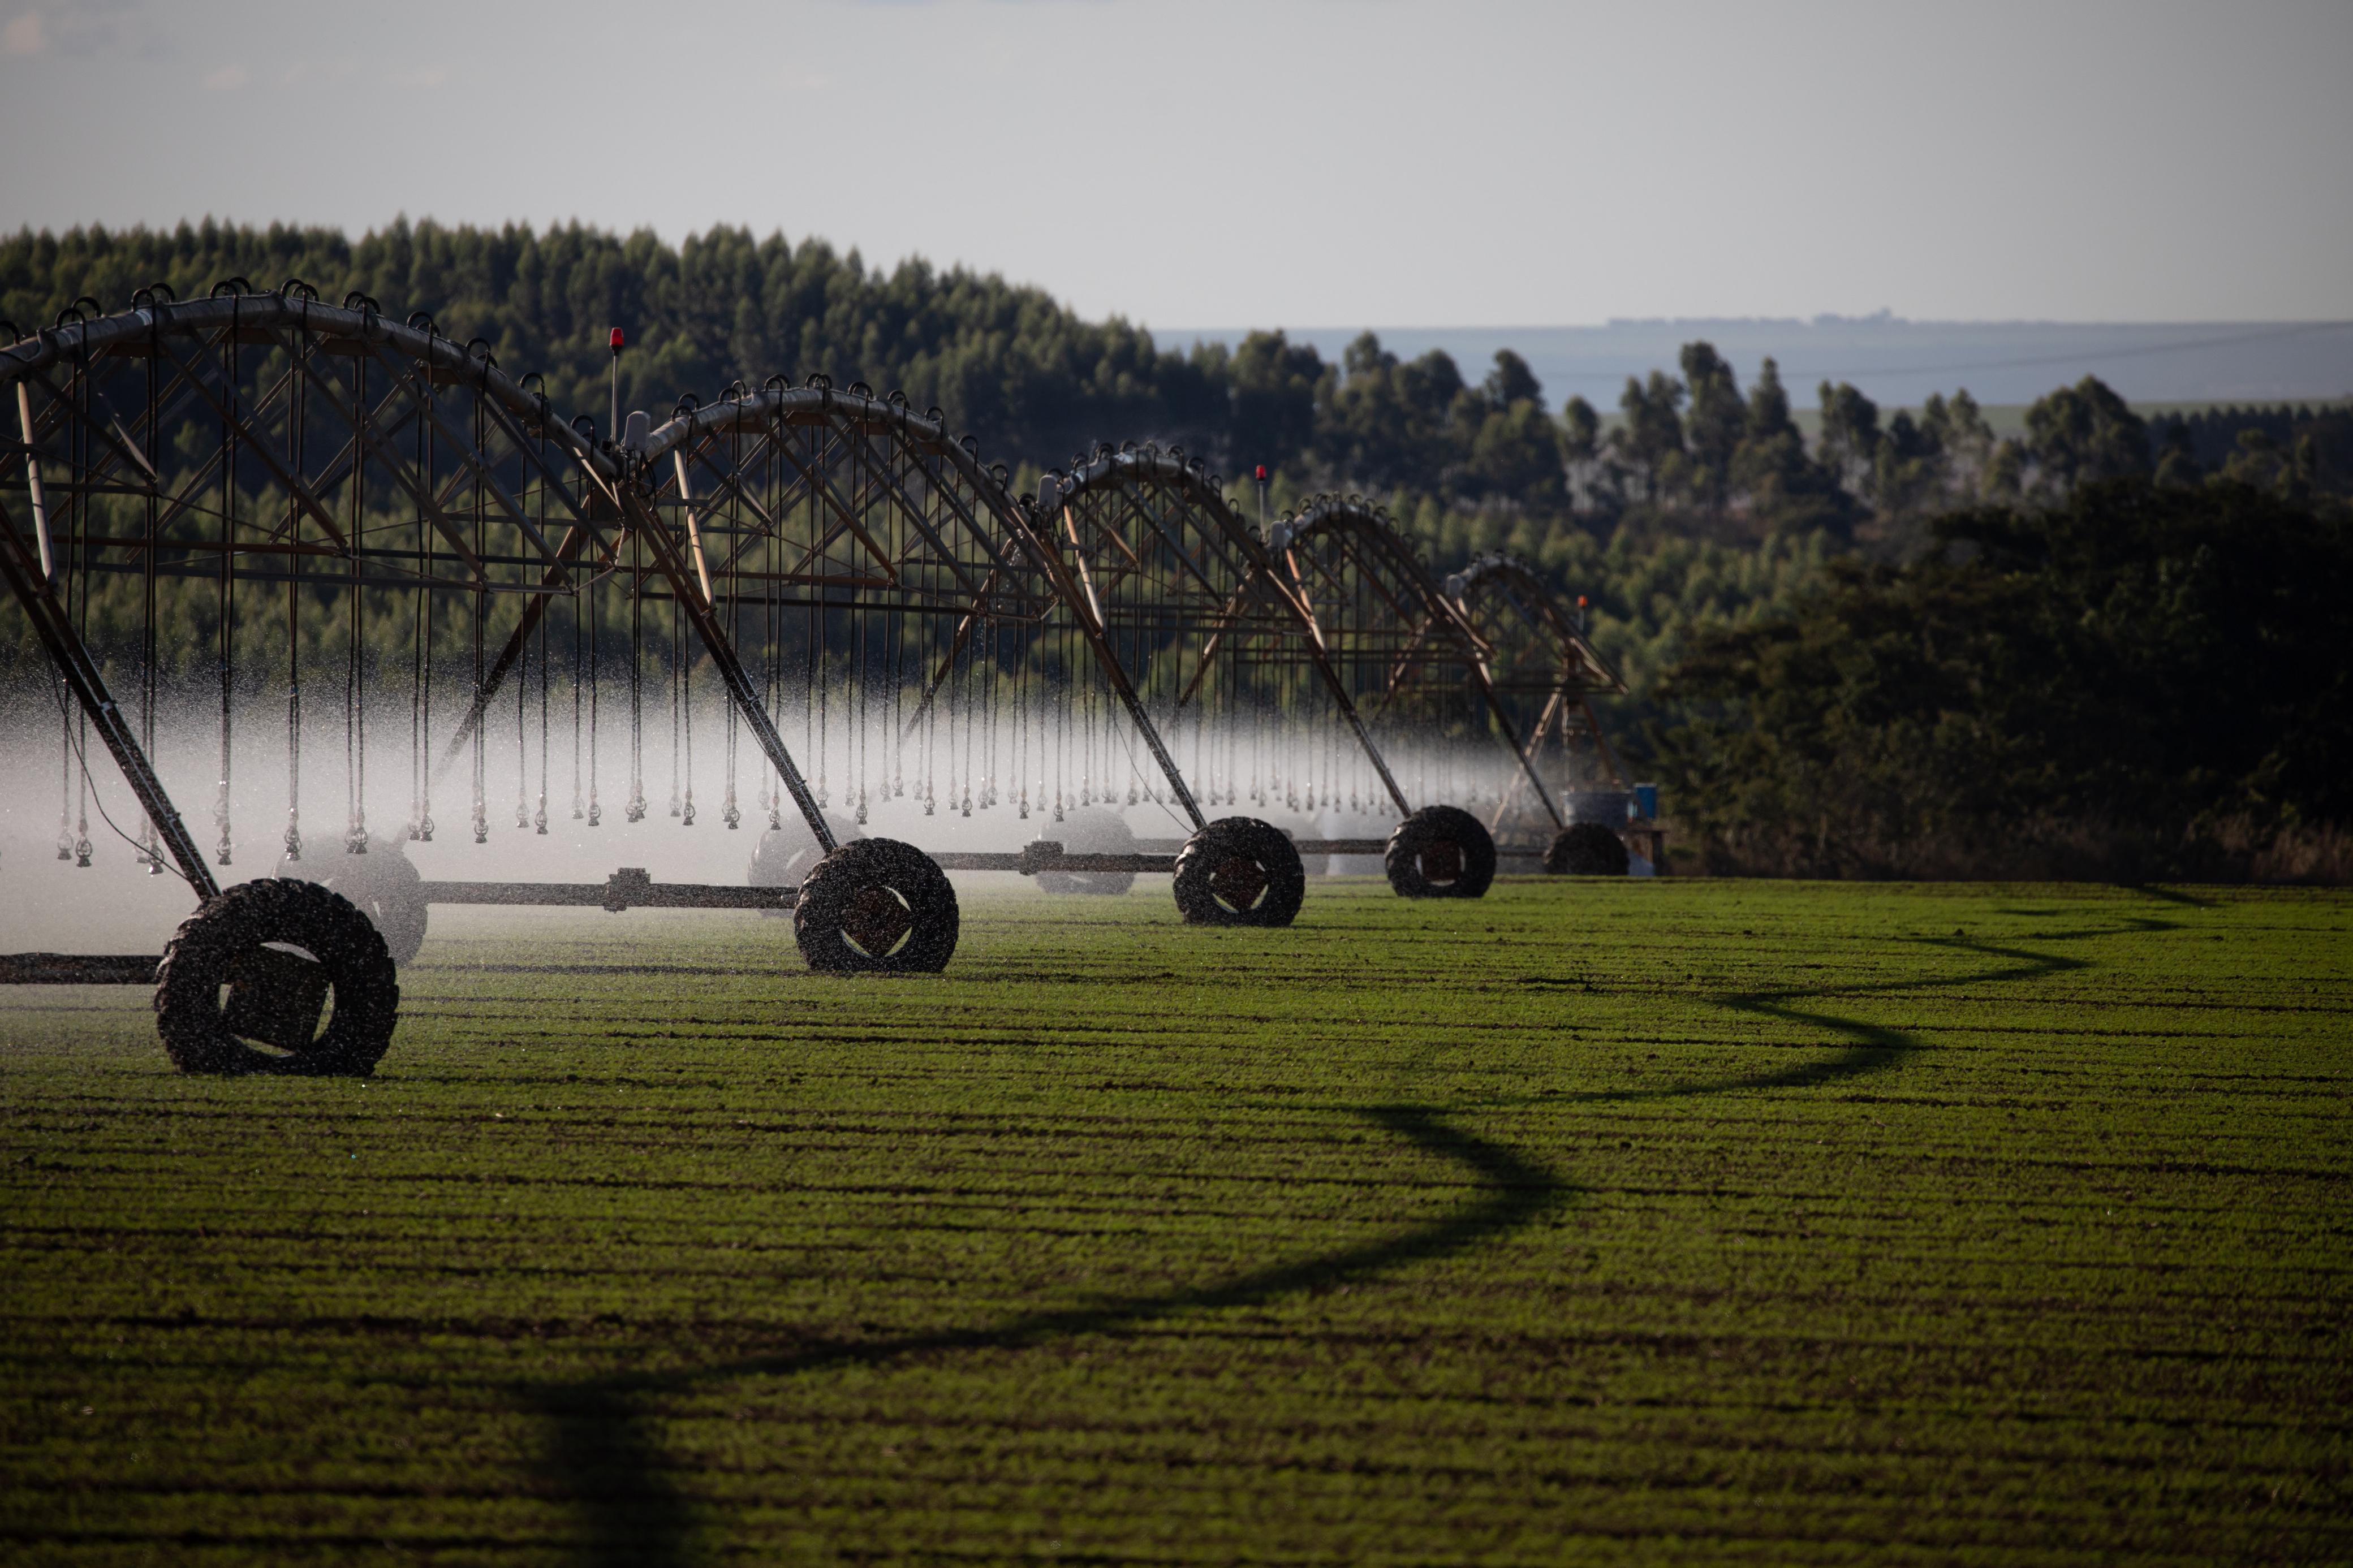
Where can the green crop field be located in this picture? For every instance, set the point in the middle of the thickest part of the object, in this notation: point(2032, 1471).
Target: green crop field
point(1662, 1221)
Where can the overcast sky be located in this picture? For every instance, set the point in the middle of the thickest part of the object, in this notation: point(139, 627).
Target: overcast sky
point(1325, 162)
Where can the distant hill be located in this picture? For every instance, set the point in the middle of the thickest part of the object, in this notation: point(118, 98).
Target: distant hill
point(1898, 363)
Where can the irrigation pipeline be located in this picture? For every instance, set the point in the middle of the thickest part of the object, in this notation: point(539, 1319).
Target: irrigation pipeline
point(883, 616)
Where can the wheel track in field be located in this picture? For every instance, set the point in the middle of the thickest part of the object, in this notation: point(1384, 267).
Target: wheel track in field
point(603, 1457)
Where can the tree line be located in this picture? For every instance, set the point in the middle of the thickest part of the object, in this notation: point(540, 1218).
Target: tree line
point(1036, 382)
point(1026, 377)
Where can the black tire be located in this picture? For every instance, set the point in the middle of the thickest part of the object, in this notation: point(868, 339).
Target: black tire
point(1586, 849)
point(1440, 852)
point(1239, 871)
point(381, 884)
point(876, 906)
point(1089, 831)
point(322, 922)
point(785, 855)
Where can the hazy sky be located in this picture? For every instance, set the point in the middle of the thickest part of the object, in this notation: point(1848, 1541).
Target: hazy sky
point(1316, 162)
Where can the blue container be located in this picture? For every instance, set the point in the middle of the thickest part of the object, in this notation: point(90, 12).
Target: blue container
point(1646, 802)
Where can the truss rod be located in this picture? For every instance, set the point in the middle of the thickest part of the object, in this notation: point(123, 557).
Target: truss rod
point(67, 651)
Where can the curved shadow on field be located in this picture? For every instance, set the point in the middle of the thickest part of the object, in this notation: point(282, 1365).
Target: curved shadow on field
point(606, 1459)
point(1874, 1048)
point(1877, 1046)
point(604, 1456)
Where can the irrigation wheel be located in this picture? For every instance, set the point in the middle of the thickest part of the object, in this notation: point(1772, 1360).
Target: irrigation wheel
point(785, 854)
point(876, 906)
point(1586, 849)
point(1440, 852)
point(1239, 871)
point(1090, 830)
point(381, 884)
point(281, 949)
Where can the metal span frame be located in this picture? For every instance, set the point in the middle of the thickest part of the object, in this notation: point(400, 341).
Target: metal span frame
point(820, 500)
point(326, 447)
point(343, 452)
point(1384, 623)
point(1543, 671)
point(1164, 567)
point(349, 453)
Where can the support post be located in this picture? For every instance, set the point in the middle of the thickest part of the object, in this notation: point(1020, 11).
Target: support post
point(1084, 610)
point(534, 611)
point(66, 650)
point(640, 515)
point(1321, 658)
point(1519, 753)
point(32, 483)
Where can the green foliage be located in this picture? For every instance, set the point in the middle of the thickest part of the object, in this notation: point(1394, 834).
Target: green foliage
point(1025, 375)
point(1387, 424)
point(2294, 451)
point(1650, 440)
point(1717, 425)
point(1272, 385)
point(2092, 686)
point(1035, 383)
point(1516, 454)
point(1652, 598)
point(1655, 1222)
point(2296, 457)
point(2084, 434)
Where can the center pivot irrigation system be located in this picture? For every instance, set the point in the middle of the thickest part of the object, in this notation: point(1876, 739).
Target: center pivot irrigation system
point(875, 603)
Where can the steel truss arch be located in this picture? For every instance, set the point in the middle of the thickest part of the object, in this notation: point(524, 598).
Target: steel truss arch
point(1544, 669)
point(901, 517)
point(960, 543)
point(813, 497)
point(1388, 626)
point(198, 361)
point(1187, 592)
point(268, 437)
